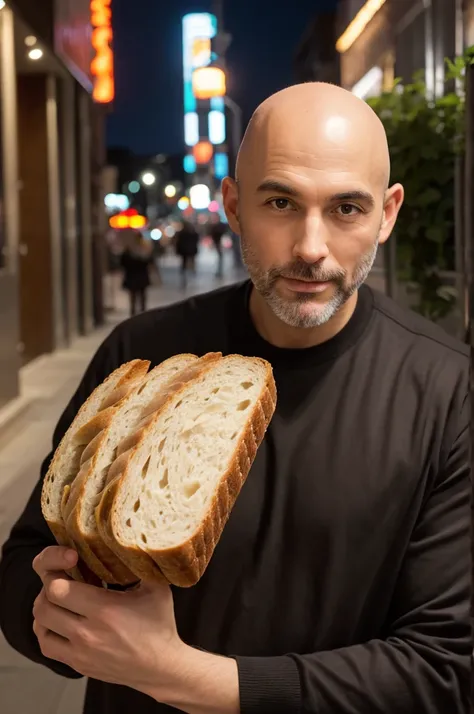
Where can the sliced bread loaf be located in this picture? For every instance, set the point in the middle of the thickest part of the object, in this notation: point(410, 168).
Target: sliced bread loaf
point(121, 433)
point(65, 463)
point(176, 488)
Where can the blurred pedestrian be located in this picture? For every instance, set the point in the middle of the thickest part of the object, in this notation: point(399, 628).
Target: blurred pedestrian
point(187, 242)
point(217, 231)
point(137, 261)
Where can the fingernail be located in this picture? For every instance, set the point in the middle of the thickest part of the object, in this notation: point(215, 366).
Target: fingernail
point(71, 556)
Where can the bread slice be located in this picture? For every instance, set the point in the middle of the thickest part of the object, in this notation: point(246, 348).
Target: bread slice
point(144, 567)
point(180, 482)
point(65, 463)
point(116, 438)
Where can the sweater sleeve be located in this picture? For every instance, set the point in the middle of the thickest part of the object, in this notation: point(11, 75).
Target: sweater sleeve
point(423, 663)
point(19, 584)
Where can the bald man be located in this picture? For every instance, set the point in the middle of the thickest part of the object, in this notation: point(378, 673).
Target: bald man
point(341, 584)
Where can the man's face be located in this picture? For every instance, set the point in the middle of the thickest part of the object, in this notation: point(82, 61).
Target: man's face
point(310, 228)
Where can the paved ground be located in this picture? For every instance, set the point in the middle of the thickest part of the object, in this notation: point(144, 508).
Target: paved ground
point(49, 382)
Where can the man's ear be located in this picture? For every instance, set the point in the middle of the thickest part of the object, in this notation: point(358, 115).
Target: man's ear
point(230, 198)
point(392, 203)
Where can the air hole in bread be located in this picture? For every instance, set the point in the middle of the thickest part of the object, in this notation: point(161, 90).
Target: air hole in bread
point(153, 524)
point(136, 506)
point(246, 385)
point(52, 478)
point(129, 523)
point(146, 467)
point(214, 391)
point(164, 479)
point(161, 446)
point(178, 405)
point(234, 435)
point(144, 538)
point(47, 501)
point(242, 406)
point(191, 488)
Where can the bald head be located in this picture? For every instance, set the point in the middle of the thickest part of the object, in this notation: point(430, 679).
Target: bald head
point(318, 124)
point(311, 202)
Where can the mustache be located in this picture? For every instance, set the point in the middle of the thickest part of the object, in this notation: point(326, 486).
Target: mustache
point(305, 271)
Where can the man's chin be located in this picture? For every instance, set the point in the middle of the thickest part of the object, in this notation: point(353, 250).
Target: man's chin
point(302, 313)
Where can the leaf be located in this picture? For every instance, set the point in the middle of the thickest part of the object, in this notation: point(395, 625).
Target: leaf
point(449, 100)
point(431, 195)
point(425, 137)
point(447, 292)
point(436, 233)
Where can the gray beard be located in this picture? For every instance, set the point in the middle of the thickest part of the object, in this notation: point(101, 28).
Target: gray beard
point(293, 312)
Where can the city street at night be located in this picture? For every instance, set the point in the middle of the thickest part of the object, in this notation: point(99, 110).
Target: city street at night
point(236, 333)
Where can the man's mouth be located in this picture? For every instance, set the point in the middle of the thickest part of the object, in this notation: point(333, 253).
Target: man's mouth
point(302, 285)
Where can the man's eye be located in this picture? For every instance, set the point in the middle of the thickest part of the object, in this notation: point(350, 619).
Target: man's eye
point(280, 204)
point(348, 209)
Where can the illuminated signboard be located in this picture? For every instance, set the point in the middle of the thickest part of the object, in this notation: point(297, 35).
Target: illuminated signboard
point(102, 67)
point(73, 38)
point(198, 30)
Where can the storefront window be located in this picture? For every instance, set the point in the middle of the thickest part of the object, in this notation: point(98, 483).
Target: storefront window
point(410, 49)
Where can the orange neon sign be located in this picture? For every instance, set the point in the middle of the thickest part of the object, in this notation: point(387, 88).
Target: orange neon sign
point(128, 219)
point(102, 67)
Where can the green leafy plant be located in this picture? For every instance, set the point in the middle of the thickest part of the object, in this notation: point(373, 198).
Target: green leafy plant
point(426, 136)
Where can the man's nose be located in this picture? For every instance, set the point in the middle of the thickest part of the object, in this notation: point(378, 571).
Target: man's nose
point(312, 242)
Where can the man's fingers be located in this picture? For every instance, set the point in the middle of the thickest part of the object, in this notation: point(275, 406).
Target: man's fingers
point(53, 646)
point(53, 559)
point(51, 617)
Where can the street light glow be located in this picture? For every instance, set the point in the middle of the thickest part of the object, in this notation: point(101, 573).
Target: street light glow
point(170, 191)
point(183, 203)
point(134, 187)
point(200, 196)
point(148, 178)
point(156, 234)
point(35, 54)
point(358, 24)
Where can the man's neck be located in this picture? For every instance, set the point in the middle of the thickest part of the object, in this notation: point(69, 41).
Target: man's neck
point(277, 333)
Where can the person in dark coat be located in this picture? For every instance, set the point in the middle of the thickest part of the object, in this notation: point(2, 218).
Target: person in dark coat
point(187, 241)
point(136, 261)
point(217, 231)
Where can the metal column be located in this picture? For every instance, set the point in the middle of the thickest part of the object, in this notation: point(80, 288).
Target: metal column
point(68, 151)
point(85, 192)
point(55, 211)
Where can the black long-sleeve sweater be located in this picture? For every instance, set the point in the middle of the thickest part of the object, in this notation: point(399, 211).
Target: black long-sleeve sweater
point(342, 581)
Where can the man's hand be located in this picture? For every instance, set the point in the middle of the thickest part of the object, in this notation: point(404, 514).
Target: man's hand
point(127, 638)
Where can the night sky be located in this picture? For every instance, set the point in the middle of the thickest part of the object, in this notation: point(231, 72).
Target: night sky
point(148, 110)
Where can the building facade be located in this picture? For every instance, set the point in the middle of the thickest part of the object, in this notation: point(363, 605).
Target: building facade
point(316, 58)
point(379, 40)
point(50, 204)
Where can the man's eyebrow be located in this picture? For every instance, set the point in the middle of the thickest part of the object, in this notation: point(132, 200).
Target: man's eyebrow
point(363, 196)
point(270, 186)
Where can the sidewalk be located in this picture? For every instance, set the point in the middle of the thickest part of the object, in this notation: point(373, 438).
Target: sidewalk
point(47, 384)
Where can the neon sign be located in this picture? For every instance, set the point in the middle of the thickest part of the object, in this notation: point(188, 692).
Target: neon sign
point(102, 67)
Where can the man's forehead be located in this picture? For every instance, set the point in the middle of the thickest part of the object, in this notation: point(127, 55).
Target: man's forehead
point(305, 169)
point(310, 138)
